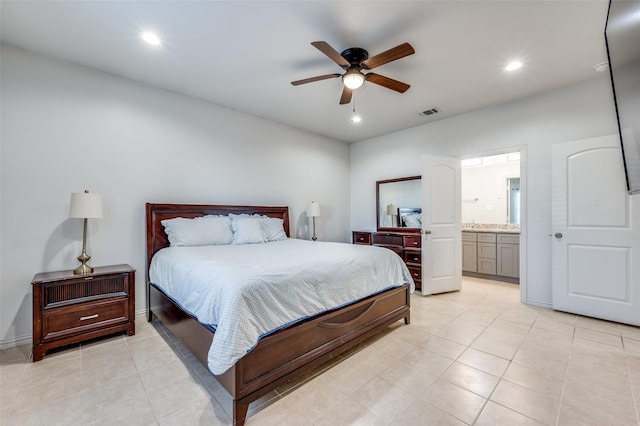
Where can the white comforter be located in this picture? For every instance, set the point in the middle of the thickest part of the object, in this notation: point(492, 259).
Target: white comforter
point(248, 291)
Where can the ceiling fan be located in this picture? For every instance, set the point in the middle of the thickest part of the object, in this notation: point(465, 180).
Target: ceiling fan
point(354, 60)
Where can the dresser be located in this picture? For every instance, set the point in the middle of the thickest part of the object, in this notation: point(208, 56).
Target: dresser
point(407, 245)
point(70, 308)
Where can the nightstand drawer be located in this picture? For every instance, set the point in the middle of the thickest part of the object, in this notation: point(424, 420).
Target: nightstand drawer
point(83, 289)
point(63, 322)
point(412, 256)
point(361, 237)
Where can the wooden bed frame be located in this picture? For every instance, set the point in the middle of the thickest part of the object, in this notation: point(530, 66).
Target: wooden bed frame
point(281, 356)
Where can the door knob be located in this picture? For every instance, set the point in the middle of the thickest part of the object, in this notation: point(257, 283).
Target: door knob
point(558, 235)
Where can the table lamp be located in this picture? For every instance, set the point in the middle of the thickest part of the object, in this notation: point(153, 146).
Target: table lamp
point(85, 206)
point(313, 211)
point(392, 211)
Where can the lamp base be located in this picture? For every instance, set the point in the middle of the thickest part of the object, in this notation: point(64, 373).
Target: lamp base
point(83, 269)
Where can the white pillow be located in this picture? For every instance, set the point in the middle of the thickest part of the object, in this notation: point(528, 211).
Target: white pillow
point(199, 231)
point(273, 228)
point(247, 230)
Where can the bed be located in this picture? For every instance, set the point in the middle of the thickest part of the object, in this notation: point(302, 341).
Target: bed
point(282, 355)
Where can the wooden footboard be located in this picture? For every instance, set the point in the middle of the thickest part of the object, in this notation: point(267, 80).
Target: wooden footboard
point(290, 352)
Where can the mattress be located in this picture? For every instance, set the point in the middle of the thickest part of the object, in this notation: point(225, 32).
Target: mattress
point(245, 292)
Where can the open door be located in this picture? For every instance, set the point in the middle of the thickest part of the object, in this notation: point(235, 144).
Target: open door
point(441, 225)
point(595, 242)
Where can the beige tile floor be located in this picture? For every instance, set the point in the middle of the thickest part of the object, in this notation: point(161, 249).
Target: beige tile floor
point(472, 357)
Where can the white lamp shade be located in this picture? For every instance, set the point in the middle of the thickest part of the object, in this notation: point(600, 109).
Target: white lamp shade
point(85, 205)
point(392, 210)
point(313, 210)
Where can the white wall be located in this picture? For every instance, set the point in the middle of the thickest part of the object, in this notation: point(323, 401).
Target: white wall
point(67, 128)
point(577, 112)
point(484, 192)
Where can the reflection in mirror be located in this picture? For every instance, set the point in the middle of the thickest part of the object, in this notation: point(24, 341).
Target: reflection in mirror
point(487, 195)
point(513, 202)
point(399, 204)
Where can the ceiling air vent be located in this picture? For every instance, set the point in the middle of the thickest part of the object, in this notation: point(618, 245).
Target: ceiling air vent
point(430, 111)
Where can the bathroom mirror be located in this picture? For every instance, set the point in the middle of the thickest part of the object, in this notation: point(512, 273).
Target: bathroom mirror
point(399, 204)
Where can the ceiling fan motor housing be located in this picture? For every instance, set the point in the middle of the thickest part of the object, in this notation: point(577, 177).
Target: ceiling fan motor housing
point(355, 55)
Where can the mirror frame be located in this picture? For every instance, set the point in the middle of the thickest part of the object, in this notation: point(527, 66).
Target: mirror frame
point(397, 229)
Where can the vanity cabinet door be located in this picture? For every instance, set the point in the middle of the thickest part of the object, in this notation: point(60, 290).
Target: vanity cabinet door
point(469, 256)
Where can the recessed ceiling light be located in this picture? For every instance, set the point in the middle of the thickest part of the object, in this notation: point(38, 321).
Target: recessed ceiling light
point(150, 38)
point(513, 66)
point(356, 119)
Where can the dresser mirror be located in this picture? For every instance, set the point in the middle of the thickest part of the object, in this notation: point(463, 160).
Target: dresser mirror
point(399, 204)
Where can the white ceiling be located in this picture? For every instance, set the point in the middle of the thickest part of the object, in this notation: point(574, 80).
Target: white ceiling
point(243, 54)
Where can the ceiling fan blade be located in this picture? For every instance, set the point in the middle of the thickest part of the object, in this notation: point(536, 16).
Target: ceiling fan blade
point(332, 53)
point(387, 82)
point(397, 52)
point(312, 79)
point(346, 95)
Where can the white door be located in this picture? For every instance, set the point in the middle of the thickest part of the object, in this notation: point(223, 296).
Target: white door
point(441, 217)
point(596, 262)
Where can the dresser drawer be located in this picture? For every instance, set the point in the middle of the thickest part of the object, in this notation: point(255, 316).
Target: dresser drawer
point(411, 256)
point(386, 239)
point(412, 241)
point(416, 272)
point(396, 249)
point(362, 238)
point(78, 319)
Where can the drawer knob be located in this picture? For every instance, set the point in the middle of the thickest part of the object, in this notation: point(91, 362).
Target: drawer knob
point(415, 243)
point(89, 317)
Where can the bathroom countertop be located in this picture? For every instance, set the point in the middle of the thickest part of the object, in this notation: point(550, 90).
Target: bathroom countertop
point(491, 227)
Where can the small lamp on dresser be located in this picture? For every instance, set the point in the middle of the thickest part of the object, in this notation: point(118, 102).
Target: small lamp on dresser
point(392, 211)
point(313, 211)
point(85, 206)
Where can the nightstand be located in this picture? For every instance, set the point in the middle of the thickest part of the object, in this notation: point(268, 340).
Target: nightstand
point(70, 308)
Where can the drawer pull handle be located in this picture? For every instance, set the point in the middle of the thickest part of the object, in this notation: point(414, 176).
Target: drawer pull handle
point(415, 243)
point(89, 317)
point(88, 278)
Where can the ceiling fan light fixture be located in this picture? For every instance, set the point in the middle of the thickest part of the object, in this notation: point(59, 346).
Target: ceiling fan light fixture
point(353, 79)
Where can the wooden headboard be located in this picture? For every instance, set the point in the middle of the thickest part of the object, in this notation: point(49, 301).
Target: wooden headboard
point(156, 213)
